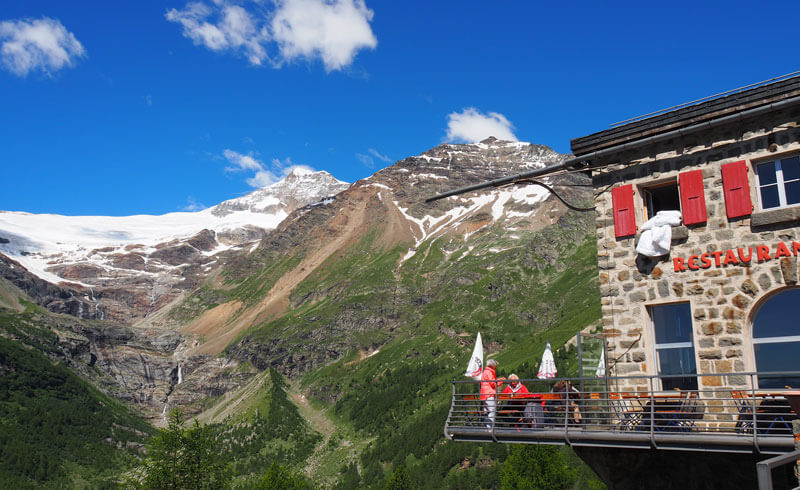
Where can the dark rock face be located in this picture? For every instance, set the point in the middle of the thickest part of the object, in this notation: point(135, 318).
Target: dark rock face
point(54, 298)
point(205, 241)
point(177, 255)
point(142, 367)
point(130, 261)
point(77, 272)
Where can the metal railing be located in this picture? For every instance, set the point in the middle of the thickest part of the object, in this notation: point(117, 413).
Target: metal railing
point(720, 412)
point(764, 468)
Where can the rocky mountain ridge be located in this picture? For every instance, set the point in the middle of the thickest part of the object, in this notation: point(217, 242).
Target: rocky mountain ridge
point(381, 226)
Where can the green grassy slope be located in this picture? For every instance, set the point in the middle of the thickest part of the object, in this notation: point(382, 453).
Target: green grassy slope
point(270, 431)
point(399, 396)
point(378, 341)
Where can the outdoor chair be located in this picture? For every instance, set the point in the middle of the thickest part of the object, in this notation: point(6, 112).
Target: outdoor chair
point(627, 414)
point(682, 417)
point(744, 423)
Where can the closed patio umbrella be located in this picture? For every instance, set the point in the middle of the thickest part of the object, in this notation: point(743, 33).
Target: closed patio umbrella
point(547, 369)
point(475, 366)
point(601, 366)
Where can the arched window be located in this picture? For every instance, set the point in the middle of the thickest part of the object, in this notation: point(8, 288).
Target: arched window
point(776, 339)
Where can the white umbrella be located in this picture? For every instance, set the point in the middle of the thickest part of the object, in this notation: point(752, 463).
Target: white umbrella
point(601, 366)
point(547, 369)
point(475, 366)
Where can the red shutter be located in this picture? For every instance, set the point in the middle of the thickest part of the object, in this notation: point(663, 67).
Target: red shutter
point(693, 198)
point(624, 215)
point(737, 189)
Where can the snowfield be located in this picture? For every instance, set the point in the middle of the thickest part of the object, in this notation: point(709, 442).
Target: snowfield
point(38, 241)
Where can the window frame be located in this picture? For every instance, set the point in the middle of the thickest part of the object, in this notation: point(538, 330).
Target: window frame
point(658, 347)
point(780, 183)
point(776, 339)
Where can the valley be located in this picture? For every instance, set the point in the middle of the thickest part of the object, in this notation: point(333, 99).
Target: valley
point(322, 331)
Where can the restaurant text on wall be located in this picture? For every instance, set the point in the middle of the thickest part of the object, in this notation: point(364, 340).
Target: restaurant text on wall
point(721, 258)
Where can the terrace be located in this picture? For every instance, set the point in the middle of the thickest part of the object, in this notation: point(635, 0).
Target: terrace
point(728, 413)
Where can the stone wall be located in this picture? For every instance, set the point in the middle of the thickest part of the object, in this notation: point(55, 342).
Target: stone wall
point(722, 298)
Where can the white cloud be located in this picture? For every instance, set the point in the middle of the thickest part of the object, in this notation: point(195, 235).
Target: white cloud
point(377, 155)
point(471, 126)
point(193, 205)
point(264, 175)
point(232, 28)
point(40, 44)
point(243, 162)
point(148, 99)
point(262, 178)
point(368, 161)
point(330, 30)
point(365, 160)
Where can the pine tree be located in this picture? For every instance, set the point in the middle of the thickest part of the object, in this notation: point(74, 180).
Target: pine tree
point(400, 480)
point(279, 477)
point(182, 458)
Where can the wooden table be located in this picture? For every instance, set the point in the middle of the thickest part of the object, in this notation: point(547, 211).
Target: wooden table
point(775, 411)
point(666, 409)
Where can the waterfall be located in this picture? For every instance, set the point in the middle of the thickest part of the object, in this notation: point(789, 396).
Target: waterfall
point(180, 374)
point(164, 410)
point(98, 313)
point(153, 298)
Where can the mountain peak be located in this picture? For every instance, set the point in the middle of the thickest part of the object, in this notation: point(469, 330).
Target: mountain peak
point(301, 171)
point(300, 187)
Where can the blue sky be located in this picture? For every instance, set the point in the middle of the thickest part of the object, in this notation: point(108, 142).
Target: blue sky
point(152, 107)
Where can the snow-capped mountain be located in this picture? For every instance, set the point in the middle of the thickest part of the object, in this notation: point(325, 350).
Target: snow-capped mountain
point(300, 188)
point(151, 253)
point(380, 249)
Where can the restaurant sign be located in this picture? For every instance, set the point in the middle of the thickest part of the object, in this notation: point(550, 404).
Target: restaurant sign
point(721, 258)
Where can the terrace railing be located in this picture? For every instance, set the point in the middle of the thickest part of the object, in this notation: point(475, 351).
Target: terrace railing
point(726, 413)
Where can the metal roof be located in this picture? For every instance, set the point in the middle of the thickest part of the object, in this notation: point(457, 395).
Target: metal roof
point(688, 115)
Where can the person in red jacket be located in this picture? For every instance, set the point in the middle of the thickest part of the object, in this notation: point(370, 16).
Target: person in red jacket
point(514, 388)
point(490, 386)
point(518, 396)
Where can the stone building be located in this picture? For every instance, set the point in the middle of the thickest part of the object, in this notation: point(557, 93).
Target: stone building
point(698, 233)
point(724, 298)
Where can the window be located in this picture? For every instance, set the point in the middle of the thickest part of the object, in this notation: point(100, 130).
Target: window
point(672, 329)
point(686, 195)
point(662, 197)
point(776, 340)
point(779, 182)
